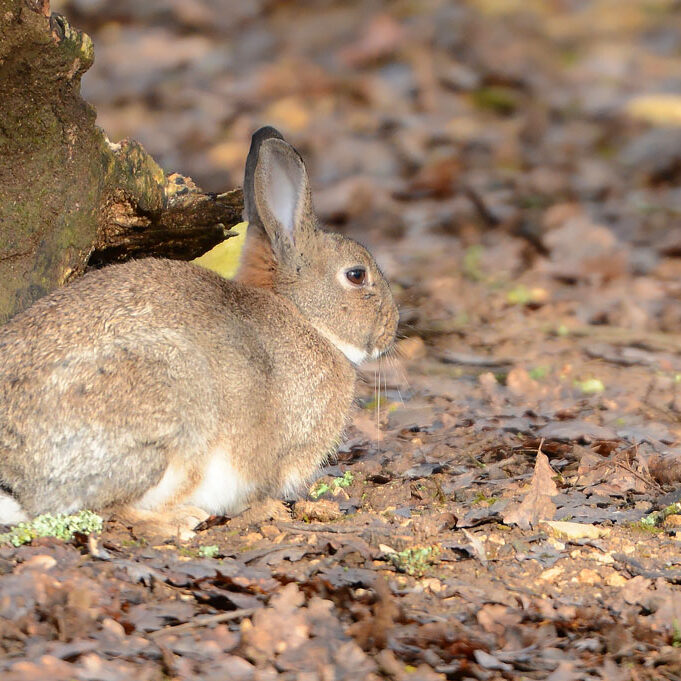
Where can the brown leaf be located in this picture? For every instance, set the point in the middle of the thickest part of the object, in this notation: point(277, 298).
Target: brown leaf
point(579, 431)
point(565, 672)
point(47, 668)
point(665, 469)
point(146, 617)
point(668, 614)
point(615, 475)
point(373, 630)
point(637, 590)
point(521, 384)
point(276, 628)
point(488, 661)
point(494, 618)
point(581, 249)
point(383, 36)
point(537, 504)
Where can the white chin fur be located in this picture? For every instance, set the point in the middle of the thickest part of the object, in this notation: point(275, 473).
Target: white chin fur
point(10, 511)
point(355, 355)
point(352, 352)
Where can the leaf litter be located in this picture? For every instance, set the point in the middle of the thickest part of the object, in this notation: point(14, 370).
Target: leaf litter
point(512, 510)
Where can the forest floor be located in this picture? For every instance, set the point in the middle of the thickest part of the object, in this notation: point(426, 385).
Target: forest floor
point(488, 515)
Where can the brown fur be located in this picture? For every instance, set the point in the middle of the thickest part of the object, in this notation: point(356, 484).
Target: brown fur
point(124, 388)
point(257, 266)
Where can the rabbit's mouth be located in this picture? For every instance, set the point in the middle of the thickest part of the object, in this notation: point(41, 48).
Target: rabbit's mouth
point(386, 339)
point(380, 350)
point(355, 353)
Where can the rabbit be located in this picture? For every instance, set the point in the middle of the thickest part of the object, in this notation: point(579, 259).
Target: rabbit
point(160, 389)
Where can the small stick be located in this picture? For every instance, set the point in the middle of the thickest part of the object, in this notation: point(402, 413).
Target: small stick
point(204, 621)
point(539, 451)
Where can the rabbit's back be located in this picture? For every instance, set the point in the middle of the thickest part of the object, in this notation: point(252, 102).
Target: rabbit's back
point(106, 382)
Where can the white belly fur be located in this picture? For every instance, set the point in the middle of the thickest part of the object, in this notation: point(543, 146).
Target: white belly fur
point(10, 511)
point(222, 489)
point(164, 491)
point(293, 483)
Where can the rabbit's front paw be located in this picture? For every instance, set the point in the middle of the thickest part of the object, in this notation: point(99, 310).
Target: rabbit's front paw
point(187, 518)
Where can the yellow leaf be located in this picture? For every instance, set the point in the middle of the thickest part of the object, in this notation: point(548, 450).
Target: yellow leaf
point(590, 386)
point(229, 155)
point(656, 109)
point(288, 113)
point(571, 530)
point(224, 258)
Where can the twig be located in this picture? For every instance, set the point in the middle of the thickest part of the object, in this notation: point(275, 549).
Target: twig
point(627, 467)
point(653, 341)
point(204, 621)
point(479, 204)
point(322, 528)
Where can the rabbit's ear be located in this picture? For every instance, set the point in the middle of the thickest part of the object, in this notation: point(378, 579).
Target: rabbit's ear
point(281, 192)
point(250, 208)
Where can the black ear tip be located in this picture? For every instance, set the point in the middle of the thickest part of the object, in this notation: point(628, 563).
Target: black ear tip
point(259, 136)
point(265, 133)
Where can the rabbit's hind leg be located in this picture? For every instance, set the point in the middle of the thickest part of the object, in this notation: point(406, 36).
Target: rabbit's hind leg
point(177, 522)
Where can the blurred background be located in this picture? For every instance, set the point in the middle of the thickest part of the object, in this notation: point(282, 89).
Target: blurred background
point(533, 146)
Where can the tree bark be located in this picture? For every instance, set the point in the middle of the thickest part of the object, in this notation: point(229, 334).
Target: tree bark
point(69, 198)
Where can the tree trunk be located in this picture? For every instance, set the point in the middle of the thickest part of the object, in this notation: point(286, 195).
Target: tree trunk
point(69, 198)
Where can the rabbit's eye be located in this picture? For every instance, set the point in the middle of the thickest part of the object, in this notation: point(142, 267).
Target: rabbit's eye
point(356, 275)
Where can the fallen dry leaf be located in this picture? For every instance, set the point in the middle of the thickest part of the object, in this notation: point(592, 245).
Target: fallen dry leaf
point(537, 504)
point(322, 511)
point(570, 530)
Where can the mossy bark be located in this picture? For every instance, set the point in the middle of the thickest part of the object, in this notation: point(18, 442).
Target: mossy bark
point(69, 198)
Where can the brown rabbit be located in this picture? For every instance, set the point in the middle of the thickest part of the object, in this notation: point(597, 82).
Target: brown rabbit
point(159, 387)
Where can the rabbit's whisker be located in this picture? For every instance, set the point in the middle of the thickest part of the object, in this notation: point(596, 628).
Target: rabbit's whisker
point(377, 403)
point(395, 363)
